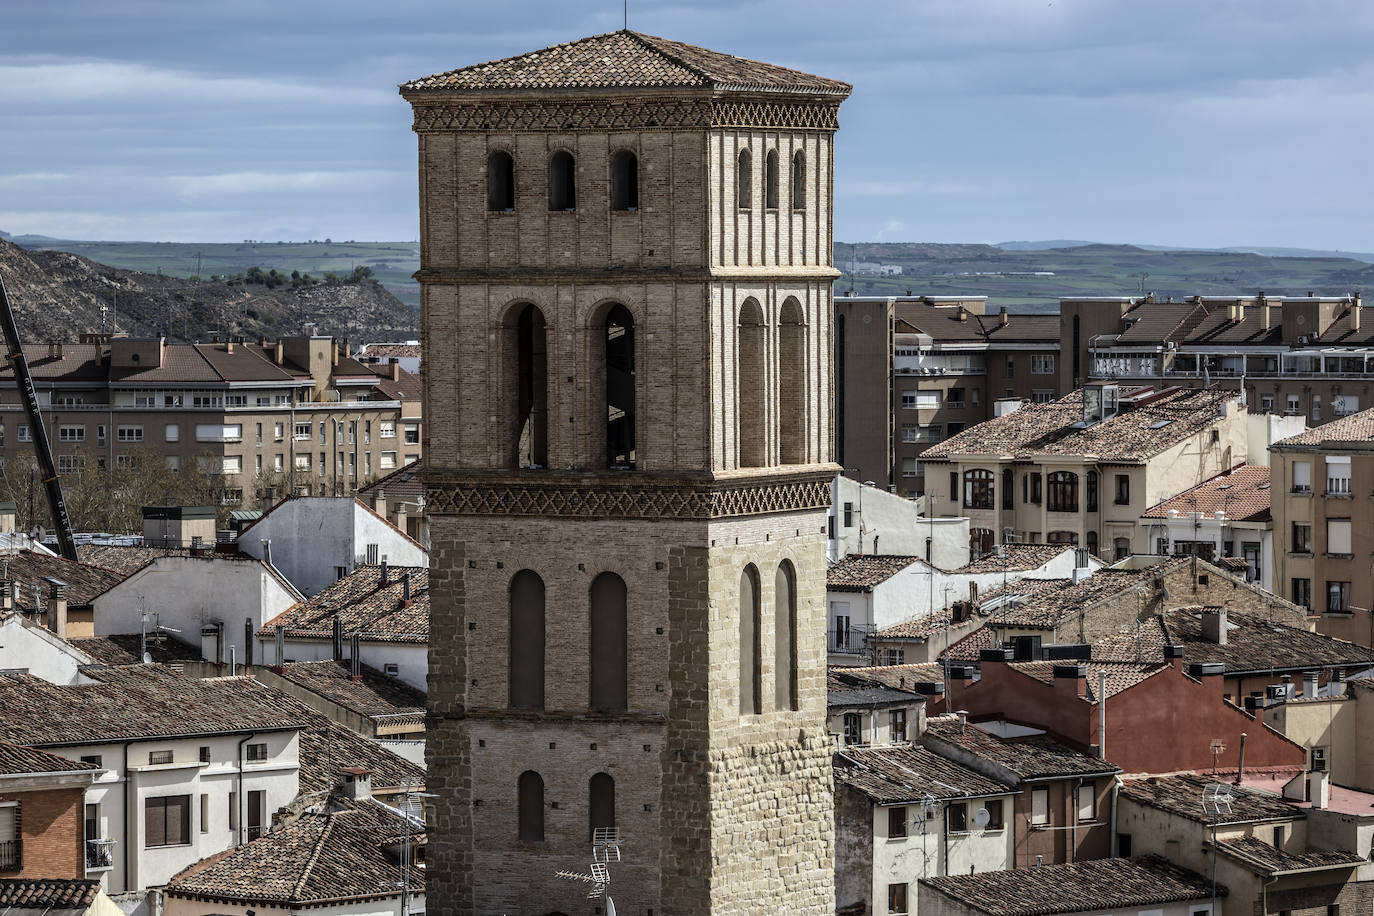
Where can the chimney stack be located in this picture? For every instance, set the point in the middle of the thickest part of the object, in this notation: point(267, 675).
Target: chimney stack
point(248, 633)
point(355, 783)
point(1355, 312)
point(384, 581)
point(1310, 683)
point(395, 370)
point(355, 661)
point(1002, 317)
point(266, 550)
point(1214, 625)
point(57, 607)
point(1266, 310)
point(338, 638)
point(405, 588)
point(280, 637)
point(1173, 654)
point(277, 352)
point(1071, 678)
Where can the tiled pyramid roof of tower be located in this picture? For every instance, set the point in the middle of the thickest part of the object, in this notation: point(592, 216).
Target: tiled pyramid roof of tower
point(1242, 493)
point(627, 59)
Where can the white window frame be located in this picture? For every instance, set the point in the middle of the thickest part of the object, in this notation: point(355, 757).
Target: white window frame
point(129, 434)
point(1042, 364)
point(71, 432)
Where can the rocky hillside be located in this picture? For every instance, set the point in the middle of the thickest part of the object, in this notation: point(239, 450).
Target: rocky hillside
point(57, 296)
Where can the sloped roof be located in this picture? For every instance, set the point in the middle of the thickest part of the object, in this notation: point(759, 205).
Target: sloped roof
point(1031, 757)
point(918, 627)
point(1264, 859)
point(17, 761)
point(377, 694)
point(402, 484)
point(860, 573)
point(1254, 643)
point(1242, 493)
point(1181, 795)
point(1120, 675)
point(125, 649)
point(139, 701)
point(846, 689)
point(903, 677)
point(627, 60)
point(1099, 884)
point(327, 747)
point(49, 893)
point(1018, 558)
point(366, 606)
point(902, 774)
point(1354, 431)
point(969, 649)
point(30, 568)
point(1043, 603)
point(1055, 428)
point(328, 856)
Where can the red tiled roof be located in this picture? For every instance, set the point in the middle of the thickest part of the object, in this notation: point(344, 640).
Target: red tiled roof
point(377, 694)
point(1018, 558)
point(1262, 858)
point(907, 773)
point(1030, 757)
point(1242, 493)
point(48, 894)
point(365, 605)
point(626, 59)
point(327, 747)
point(859, 573)
point(1120, 675)
point(1354, 431)
point(17, 761)
point(30, 569)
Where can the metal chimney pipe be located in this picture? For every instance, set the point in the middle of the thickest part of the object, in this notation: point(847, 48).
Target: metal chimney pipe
point(338, 639)
point(267, 551)
point(248, 632)
point(1240, 768)
point(384, 571)
point(405, 588)
point(356, 661)
point(281, 644)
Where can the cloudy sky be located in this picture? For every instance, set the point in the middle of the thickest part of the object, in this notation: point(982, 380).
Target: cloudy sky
point(1220, 122)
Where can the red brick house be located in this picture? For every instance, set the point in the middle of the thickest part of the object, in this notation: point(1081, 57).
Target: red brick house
point(42, 807)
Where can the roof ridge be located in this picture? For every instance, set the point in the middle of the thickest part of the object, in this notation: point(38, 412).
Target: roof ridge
point(649, 42)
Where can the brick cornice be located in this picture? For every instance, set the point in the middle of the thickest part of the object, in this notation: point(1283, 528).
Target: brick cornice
point(625, 496)
point(545, 115)
point(438, 276)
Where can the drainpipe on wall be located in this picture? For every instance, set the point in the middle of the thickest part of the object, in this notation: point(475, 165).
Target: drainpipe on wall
point(128, 786)
point(1116, 848)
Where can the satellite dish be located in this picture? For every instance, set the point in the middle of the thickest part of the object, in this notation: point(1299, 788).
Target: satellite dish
point(982, 818)
point(147, 658)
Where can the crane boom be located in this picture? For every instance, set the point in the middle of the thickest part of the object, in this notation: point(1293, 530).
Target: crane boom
point(14, 352)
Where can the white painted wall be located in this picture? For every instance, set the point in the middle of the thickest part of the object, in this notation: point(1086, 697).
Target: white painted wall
point(30, 648)
point(121, 793)
point(187, 593)
point(1264, 429)
point(387, 906)
point(314, 536)
point(411, 660)
point(885, 523)
point(1217, 531)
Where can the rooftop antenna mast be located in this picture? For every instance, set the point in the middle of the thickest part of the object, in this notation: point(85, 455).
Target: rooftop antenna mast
point(605, 850)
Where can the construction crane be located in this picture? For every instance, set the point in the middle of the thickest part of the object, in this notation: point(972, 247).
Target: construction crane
point(14, 352)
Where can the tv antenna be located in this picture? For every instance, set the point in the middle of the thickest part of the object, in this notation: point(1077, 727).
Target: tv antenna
point(605, 850)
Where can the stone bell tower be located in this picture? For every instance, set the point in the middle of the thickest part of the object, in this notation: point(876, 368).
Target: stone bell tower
point(626, 277)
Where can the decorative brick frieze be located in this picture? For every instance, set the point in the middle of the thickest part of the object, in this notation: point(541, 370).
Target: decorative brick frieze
point(624, 114)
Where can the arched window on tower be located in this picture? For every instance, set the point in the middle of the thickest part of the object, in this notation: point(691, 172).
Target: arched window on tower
point(527, 427)
point(751, 351)
point(798, 180)
point(785, 636)
point(562, 181)
point(500, 182)
point(609, 649)
point(530, 807)
point(619, 370)
point(527, 640)
point(791, 384)
point(600, 802)
point(770, 180)
point(744, 181)
point(750, 643)
point(624, 181)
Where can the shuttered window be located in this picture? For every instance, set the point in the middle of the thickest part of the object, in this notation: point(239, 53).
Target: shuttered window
point(167, 821)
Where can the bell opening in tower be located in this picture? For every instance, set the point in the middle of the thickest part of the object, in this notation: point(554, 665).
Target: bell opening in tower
point(620, 389)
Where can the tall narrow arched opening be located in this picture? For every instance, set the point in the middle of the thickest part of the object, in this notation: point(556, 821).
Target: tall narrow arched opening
point(770, 180)
point(526, 640)
point(600, 802)
point(751, 346)
point(750, 643)
point(609, 650)
point(530, 807)
point(791, 384)
point(619, 371)
point(744, 181)
point(562, 181)
point(500, 182)
point(527, 387)
point(785, 636)
point(624, 181)
point(798, 180)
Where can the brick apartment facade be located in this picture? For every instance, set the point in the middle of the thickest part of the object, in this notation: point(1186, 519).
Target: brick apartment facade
point(42, 826)
point(296, 416)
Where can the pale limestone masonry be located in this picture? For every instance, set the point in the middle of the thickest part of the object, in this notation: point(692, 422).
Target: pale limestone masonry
point(720, 811)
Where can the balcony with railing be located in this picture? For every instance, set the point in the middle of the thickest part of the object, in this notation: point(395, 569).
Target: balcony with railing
point(850, 640)
point(11, 855)
point(99, 855)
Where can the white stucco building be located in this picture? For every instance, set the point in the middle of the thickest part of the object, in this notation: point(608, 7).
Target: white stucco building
point(1227, 516)
point(864, 519)
point(317, 540)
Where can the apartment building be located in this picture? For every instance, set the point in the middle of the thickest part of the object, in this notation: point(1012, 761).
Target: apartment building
point(297, 416)
point(1304, 356)
point(1081, 470)
point(1227, 516)
point(914, 371)
point(1322, 481)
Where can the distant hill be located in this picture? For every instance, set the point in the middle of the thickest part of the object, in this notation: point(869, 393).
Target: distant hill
point(57, 296)
point(1033, 280)
point(1266, 250)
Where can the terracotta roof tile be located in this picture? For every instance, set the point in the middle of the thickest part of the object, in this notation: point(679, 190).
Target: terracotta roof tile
point(1019, 558)
point(1264, 859)
point(139, 701)
point(1135, 434)
point(125, 649)
point(1120, 675)
point(903, 677)
point(627, 59)
point(1101, 884)
point(49, 894)
point(1032, 757)
point(1257, 644)
point(388, 350)
point(969, 649)
point(377, 694)
point(365, 605)
point(860, 573)
point(16, 761)
point(846, 689)
point(1181, 795)
point(918, 627)
point(321, 857)
point(902, 774)
point(30, 569)
point(1242, 493)
point(1354, 431)
point(327, 747)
